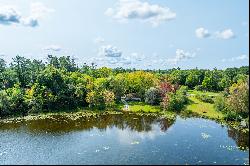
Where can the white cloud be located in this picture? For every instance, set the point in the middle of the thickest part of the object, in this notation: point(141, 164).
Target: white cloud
point(112, 61)
point(242, 57)
point(99, 40)
point(181, 55)
point(225, 34)
point(29, 21)
point(238, 58)
point(54, 48)
point(37, 11)
point(109, 55)
point(128, 137)
point(110, 51)
point(135, 9)
point(202, 33)
point(10, 15)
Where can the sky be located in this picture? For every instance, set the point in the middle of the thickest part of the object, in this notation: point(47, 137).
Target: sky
point(142, 34)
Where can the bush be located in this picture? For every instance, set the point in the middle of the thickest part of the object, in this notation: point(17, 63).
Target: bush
point(101, 100)
point(238, 100)
point(175, 101)
point(199, 88)
point(11, 101)
point(109, 98)
point(183, 90)
point(204, 98)
point(152, 96)
point(220, 103)
point(235, 104)
point(231, 116)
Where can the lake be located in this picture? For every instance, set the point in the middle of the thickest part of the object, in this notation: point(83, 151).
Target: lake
point(121, 139)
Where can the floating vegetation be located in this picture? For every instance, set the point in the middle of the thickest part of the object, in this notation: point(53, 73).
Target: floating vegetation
point(231, 148)
point(135, 143)
point(205, 136)
point(106, 147)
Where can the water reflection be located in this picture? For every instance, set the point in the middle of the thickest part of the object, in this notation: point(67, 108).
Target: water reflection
point(63, 124)
point(122, 139)
point(125, 122)
point(241, 138)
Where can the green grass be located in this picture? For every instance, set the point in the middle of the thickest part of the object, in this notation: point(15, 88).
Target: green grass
point(194, 92)
point(203, 109)
point(143, 107)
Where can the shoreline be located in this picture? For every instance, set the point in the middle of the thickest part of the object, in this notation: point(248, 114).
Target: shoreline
point(88, 114)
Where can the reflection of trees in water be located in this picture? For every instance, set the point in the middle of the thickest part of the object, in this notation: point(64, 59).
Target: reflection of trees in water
point(62, 124)
point(165, 124)
point(241, 138)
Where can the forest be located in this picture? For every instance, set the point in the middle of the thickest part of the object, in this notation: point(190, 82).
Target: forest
point(33, 86)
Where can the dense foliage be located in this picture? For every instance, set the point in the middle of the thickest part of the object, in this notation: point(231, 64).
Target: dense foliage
point(205, 98)
point(235, 101)
point(32, 86)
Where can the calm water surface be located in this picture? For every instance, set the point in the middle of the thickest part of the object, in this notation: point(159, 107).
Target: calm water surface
point(121, 139)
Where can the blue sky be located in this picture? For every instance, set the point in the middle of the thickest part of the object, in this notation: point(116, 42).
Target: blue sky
point(153, 34)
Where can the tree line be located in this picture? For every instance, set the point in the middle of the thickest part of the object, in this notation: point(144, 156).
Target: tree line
point(32, 86)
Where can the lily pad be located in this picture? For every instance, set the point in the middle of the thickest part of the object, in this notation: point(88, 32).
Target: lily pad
point(135, 142)
point(205, 135)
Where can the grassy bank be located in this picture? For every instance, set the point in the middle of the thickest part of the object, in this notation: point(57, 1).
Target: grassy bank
point(201, 108)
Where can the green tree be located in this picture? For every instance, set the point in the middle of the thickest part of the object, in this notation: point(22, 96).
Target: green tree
point(21, 66)
point(211, 80)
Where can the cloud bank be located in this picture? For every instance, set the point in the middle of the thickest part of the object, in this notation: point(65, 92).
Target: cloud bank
point(54, 48)
point(225, 34)
point(9, 15)
point(110, 51)
point(202, 33)
point(136, 10)
point(181, 55)
point(238, 58)
point(112, 56)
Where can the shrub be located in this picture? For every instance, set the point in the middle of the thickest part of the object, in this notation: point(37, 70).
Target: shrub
point(175, 101)
point(235, 104)
point(109, 98)
point(199, 88)
point(101, 100)
point(231, 116)
point(204, 98)
point(11, 101)
point(238, 100)
point(152, 96)
point(220, 103)
point(167, 87)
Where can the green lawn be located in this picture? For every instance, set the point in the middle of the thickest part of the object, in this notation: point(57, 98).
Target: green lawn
point(204, 109)
point(194, 106)
point(143, 107)
point(194, 92)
